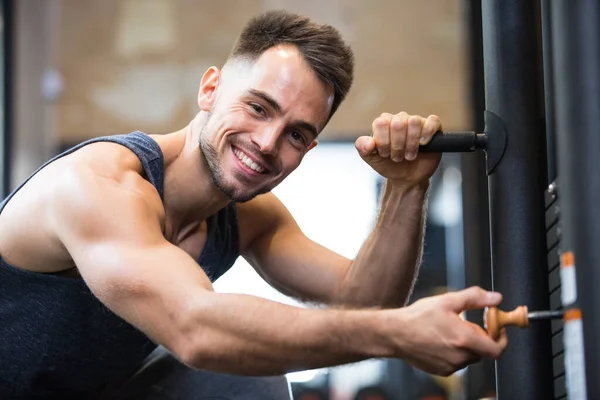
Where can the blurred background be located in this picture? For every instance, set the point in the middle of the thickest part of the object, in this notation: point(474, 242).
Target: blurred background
point(77, 69)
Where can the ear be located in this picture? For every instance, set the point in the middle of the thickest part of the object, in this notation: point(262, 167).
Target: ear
point(208, 89)
point(312, 145)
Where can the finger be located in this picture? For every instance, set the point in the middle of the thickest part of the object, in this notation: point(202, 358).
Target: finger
point(473, 298)
point(381, 134)
point(460, 360)
point(413, 135)
point(398, 129)
point(472, 358)
point(481, 344)
point(365, 146)
point(477, 328)
point(502, 343)
point(431, 127)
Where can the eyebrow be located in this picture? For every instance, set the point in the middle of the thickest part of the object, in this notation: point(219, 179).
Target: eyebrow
point(277, 108)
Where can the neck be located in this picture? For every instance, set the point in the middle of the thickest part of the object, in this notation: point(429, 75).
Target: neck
point(190, 195)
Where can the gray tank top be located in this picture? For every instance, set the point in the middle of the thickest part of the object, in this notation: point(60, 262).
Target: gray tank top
point(59, 341)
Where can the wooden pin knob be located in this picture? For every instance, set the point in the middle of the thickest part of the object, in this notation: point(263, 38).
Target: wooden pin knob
point(495, 319)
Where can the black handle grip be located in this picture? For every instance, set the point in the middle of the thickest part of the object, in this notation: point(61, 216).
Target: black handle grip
point(454, 142)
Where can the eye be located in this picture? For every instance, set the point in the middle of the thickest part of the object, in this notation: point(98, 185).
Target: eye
point(297, 136)
point(258, 108)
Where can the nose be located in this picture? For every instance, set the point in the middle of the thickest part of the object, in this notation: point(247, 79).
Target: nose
point(267, 140)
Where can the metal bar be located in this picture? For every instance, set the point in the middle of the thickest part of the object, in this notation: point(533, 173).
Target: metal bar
point(480, 381)
point(455, 142)
point(516, 189)
point(576, 56)
point(549, 314)
point(549, 118)
point(6, 97)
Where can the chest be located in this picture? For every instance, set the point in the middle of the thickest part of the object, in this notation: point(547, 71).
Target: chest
point(213, 244)
point(191, 239)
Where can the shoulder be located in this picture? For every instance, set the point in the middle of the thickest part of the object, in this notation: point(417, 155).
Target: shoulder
point(102, 164)
point(100, 181)
point(105, 157)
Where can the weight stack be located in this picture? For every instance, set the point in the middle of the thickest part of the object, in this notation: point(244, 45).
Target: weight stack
point(553, 251)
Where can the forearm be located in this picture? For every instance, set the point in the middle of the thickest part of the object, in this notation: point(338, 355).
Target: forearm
point(247, 335)
point(384, 270)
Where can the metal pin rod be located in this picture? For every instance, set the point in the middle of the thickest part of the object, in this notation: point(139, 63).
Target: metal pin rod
point(545, 315)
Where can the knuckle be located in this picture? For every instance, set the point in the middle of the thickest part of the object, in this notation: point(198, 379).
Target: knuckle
point(380, 123)
point(398, 142)
point(446, 300)
point(413, 137)
point(412, 141)
point(497, 352)
point(415, 120)
point(480, 292)
point(460, 342)
point(475, 291)
point(398, 124)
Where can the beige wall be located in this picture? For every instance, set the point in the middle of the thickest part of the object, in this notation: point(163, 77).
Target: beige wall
point(136, 64)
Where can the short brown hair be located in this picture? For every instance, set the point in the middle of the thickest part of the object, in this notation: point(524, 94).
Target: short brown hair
point(321, 46)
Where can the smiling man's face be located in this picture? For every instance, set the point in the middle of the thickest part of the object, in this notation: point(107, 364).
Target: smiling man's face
point(263, 118)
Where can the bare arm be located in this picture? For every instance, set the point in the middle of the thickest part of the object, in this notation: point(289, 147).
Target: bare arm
point(381, 275)
point(274, 244)
point(113, 232)
point(384, 270)
point(114, 235)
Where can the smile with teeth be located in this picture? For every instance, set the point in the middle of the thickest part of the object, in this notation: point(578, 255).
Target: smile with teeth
point(248, 162)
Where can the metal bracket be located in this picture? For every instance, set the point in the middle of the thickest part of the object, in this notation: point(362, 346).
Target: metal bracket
point(496, 140)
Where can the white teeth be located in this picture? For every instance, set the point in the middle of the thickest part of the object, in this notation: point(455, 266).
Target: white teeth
point(249, 163)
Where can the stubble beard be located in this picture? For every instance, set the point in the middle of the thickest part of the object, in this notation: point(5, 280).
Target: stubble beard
point(213, 163)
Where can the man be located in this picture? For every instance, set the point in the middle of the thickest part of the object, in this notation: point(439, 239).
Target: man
point(110, 249)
